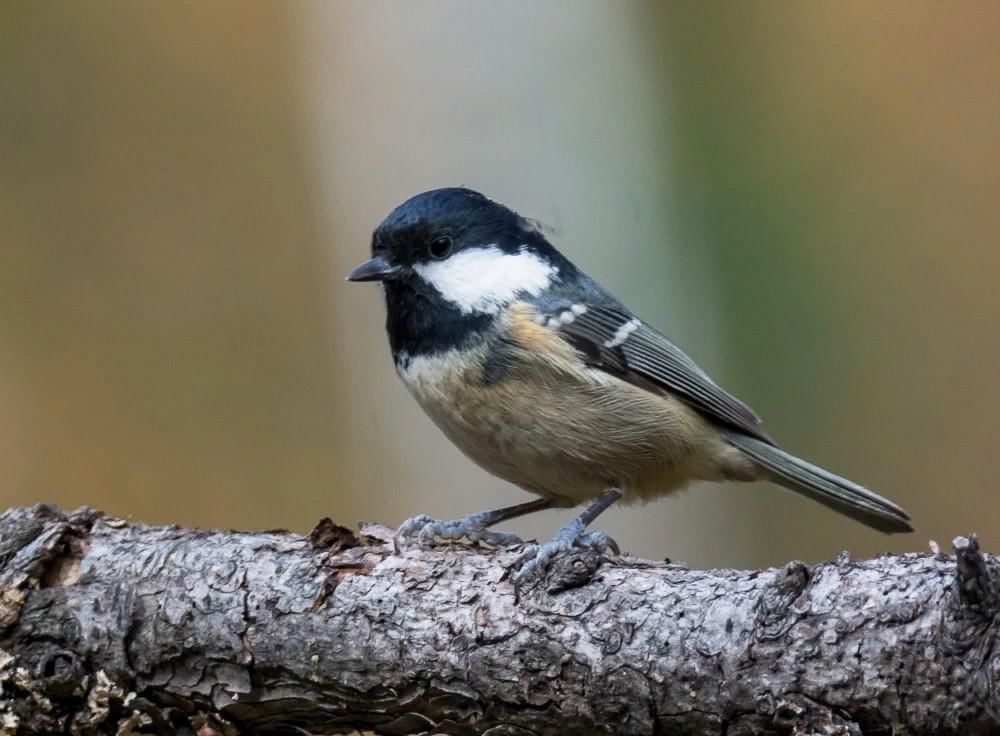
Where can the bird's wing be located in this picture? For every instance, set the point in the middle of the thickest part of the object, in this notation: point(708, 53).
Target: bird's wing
point(613, 339)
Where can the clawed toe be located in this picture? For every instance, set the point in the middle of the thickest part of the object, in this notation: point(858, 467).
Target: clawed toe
point(569, 560)
point(599, 542)
point(563, 562)
point(408, 533)
point(423, 531)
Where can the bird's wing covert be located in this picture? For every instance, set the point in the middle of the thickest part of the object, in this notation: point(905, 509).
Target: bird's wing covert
point(615, 340)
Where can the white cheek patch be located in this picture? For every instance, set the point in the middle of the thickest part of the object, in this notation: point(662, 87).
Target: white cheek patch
point(485, 279)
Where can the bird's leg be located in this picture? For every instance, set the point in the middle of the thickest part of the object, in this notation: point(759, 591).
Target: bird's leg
point(473, 530)
point(538, 558)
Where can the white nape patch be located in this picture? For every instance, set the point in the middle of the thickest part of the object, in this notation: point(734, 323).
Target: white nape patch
point(623, 332)
point(485, 279)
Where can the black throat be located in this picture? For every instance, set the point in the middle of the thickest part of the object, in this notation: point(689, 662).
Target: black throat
point(424, 324)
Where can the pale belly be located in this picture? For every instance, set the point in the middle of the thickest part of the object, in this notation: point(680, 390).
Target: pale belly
point(570, 436)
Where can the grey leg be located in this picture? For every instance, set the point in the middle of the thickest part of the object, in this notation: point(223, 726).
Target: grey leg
point(537, 560)
point(472, 530)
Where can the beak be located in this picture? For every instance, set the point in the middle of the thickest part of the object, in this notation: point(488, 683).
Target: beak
point(376, 269)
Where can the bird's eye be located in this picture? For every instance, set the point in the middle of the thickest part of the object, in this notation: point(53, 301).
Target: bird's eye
point(440, 247)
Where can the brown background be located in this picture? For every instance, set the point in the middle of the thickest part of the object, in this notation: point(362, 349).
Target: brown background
point(803, 196)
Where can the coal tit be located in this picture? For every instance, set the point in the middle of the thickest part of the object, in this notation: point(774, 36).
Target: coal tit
point(545, 379)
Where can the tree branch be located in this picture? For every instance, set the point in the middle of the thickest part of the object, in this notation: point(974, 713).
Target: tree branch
point(109, 627)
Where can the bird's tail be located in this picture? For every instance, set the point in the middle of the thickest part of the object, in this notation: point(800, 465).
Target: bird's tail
point(820, 485)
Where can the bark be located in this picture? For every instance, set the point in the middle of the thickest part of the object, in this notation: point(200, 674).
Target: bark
point(110, 627)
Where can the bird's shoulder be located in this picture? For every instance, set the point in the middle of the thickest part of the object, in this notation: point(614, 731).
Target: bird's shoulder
point(526, 335)
point(608, 336)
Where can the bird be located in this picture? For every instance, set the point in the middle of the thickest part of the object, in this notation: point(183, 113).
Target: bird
point(545, 379)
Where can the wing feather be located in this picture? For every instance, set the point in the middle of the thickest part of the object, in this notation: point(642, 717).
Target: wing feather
point(640, 351)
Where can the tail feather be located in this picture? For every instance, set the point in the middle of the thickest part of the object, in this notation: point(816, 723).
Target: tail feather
point(823, 486)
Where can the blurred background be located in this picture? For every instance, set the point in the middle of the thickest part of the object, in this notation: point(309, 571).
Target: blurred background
point(803, 196)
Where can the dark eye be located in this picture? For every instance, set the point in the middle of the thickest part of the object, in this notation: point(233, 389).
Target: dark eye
point(440, 247)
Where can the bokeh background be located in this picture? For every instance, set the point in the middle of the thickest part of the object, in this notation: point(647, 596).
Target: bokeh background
point(804, 196)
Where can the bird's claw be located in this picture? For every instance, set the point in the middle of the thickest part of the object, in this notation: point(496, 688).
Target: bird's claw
point(424, 531)
point(564, 562)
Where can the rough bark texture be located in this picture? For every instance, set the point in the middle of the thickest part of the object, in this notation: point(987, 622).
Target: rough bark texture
point(111, 627)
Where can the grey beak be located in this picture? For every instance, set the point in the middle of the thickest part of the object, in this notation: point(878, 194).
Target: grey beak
point(376, 269)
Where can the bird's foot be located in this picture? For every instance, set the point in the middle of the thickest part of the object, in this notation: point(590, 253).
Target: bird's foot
point(423, 531)
point(569, 560)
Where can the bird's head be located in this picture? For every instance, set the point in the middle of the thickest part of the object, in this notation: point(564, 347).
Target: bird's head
point(461, 251)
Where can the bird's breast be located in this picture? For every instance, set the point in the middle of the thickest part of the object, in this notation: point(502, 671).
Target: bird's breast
point(530, 411)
